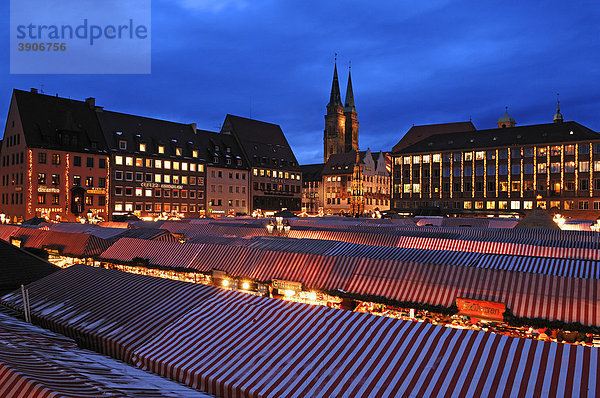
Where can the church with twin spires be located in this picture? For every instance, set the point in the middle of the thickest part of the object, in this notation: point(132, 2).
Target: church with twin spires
point(341, 124)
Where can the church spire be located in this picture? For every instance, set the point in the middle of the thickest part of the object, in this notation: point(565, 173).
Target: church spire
point(335, 98)
point(558, 118)
point(349, 104)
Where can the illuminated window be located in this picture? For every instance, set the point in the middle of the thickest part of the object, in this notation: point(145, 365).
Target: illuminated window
point(570, 167)
point(158, 178)
point(175, 165)
point(503, 205)
point(200, 168)
point(139, 162)
point(555, 167)
point(556, 204)
point(437, 158)
point(119, 160)
point(184, 166)
point(479, 155)
point(148, 192)
point(192, 166)
point(541, 151)
point(527, 204)
point(406, 188)
point(490, 205)
point(118, 206)
point(468, 156)
point(167, 179)
point(128, 206)
point(416, 159)
point(262, 172)
point(541, 168)
point(138, 192)
point(161, 149)
point(569, 149)
point(515, 204)
point(195, 153)
point(407, 160)
point(426, 158)
point(167, 164)
point(584, 166)
point(158, 164)
point(467, 205)
point(142, 147)
point(416, 188)
point(554, 151)
point(178, 151)
point(516, 186)
point(184, 179)
point(129, 161)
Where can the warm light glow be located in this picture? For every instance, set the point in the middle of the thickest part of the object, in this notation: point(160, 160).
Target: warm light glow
point(246, 286)
point(312, 296)
point(225, 283)
point(289, 293)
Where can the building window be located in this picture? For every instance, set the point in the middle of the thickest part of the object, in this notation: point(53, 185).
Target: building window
point(148, 192)
point(161, 149)
point(479, 170)
point(584, 150)
point(503, 169)
point(178, 151)
point(491, 186)
point(55, 179)
point(118, 175)
point(139, 192)
point(437, 158)
point(41, 198)
point(527, 152)
point(554, 151)
point(42, 158)
point(122, 144)
point(55, 158)
point(490, 205)
point(77, 161)
point(102, 182)
point(89, 200)
point(515, 204)
point(528, 168)
point(142, 147)
point(119, 160)
point(139, 177)
point(479, 155)
point(101, 201)
point(129, 161)
point(102, 163)
point(515, 169)
point(584, 205)
point(89, 182)
point(569, 149)
point(584, 166)
point(195, 153)
point(541, 151)
point(516, 186)
point(527, 204)
point(118, 191)
point(555, 167)
point(491, 170)
point(584, 185)
point(89, 162)
point(77, 181)
point(128, 191)
point(129, 176)
point(467, 205)
point(541, 168)
point(42, 178)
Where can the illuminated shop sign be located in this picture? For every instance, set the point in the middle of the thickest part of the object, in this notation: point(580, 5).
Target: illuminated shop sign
point(50, 190)
point(286, 285)
point(481, 309)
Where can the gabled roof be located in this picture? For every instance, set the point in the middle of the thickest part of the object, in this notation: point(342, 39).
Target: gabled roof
point(312, 172)
point(153, 132)
point(343, 163)
point(500, 137)
point(418, 133)
point(59, 123)
point(209, 142)
point(263, 143)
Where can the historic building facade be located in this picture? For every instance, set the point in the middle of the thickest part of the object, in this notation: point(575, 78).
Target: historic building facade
point(54, 162)
point(275, 176)
point(502, 171)
point(341, 189)
point(63, 158)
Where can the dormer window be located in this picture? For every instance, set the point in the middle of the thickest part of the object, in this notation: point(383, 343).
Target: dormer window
point(161, 149)
point(195, 153)
point(122, 144)
point(178, 151)
point(142, 147)
point(228, 149)
point(216, 159)
point(216, 147)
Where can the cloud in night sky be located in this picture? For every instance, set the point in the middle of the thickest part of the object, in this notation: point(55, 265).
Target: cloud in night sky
point(442, 61)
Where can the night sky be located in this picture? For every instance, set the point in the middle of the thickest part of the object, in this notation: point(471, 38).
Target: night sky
point(411, 63)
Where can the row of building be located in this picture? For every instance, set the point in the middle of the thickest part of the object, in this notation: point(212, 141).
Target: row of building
point(63, 159)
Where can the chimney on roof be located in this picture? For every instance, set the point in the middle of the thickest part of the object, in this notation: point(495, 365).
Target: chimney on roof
point(33, 90)
point(194, 127)
point(91, 101)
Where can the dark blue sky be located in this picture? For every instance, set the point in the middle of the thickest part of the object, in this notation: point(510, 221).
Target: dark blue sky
point(411, 63)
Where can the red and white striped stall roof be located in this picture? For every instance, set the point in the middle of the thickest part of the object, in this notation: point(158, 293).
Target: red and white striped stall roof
point(236, 345)
point(35, 362)
point(168, 254)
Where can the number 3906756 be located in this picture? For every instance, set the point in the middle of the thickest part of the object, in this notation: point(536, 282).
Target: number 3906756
point(42, 46)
